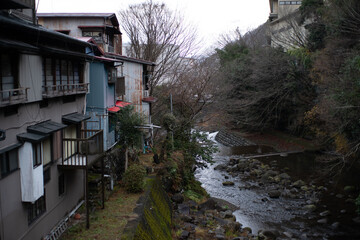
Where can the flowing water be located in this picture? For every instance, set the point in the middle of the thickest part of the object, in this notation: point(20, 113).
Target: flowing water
point(259, 212)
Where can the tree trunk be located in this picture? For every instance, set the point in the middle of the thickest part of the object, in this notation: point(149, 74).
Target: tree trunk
point(126, 157)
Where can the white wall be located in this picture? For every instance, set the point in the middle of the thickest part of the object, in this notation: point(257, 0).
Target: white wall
point(32, 184)
point(30, 75)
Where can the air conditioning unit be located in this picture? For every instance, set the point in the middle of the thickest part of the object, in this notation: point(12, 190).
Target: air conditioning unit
point(146, 93)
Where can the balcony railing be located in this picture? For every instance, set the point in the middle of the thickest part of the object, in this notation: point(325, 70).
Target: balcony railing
point(273, 16)
point(13, 96)
point(110, 49)
point(66, 89)
point(83, 152)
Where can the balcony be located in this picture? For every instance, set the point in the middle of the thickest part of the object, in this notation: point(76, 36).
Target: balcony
point(110, 49)
point(273, 16)
point(82, 152)
point(64, 90)
point(13, 96)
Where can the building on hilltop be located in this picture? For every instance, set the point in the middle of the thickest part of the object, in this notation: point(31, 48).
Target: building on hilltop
point(102, 27)
point(284, 27)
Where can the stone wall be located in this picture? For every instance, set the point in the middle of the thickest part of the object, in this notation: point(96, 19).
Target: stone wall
point(154, 215)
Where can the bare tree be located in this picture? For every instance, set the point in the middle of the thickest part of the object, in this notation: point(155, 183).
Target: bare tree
point(253, 38)
point(159, 35)
point(288, 31)
point(196, 88)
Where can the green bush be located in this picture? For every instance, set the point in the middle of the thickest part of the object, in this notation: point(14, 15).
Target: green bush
point(357, 202)
point(134, 178)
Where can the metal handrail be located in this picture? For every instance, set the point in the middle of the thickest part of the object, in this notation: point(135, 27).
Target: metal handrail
point(16, 94)
point(66, 88)
point(73, 152)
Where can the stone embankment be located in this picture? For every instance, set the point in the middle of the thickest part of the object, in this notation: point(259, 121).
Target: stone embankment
point(154, 211)
point(232, 140)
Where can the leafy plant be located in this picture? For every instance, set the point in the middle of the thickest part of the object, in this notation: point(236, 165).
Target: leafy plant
point(134, 178)
point(357, 203)
point(127, 121)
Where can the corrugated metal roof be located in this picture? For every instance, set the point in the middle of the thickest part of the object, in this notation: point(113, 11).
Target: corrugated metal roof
point(74, 118)
point(118, 105)
point(9, 148)
point(122, 103)
point(11, 23)
point(105, 59)
point(111, 16)
point(46, 127)
point(31, 137)
point(149, 99)
point(113, 109)
point(75, 14)
point(130, 59)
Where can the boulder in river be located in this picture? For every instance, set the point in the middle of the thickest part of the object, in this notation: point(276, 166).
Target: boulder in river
point(322, 221)
point(274, 193)
point(325, 213)
point(298, 183)
point(221, 167)
point(228, 183)
point(310, 207)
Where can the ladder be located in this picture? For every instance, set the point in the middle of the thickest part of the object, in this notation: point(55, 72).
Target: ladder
point(58, 230)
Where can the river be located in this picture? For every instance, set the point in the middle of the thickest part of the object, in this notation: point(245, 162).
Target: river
point(284, 215)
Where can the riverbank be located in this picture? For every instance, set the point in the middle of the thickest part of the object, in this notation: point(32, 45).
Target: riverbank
point(282, 193)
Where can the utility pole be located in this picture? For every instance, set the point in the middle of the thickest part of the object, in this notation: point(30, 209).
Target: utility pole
point(172, 131)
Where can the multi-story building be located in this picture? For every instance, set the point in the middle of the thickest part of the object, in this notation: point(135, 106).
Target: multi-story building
point(285, 30)
point(45, 147)
point(102, 27)
point(127, 84)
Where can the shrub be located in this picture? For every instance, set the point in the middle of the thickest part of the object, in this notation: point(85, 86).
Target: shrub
point(134, 178)
point(357, 202)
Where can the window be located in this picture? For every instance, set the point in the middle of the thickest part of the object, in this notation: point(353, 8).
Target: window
point(112, 122)
point(36, 209)
point(111, 75)
point(47, 151)
point(120, 86)
point(96, 35)
point(61, 184)
point(57, 145)
point(290, 2)
point(36, 154)
point(8, 75)
point(47, 175)
point(61, 74)
point(9, 162)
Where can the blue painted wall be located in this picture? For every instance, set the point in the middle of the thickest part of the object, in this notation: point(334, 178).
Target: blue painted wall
point(101, 97)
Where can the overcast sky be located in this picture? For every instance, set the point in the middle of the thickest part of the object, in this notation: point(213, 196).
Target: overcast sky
point(212, 18)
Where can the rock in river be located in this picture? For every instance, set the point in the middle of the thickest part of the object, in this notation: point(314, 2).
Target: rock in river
point(299, 183)
point(274, 193)
point(228, 183)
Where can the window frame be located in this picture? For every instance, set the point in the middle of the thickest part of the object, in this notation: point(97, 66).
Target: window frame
point(6, 157)
point(61, 185)
point(47, 175)
point(37, 161)
point(61, 73)
point(14, 67)
point(37, 209)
